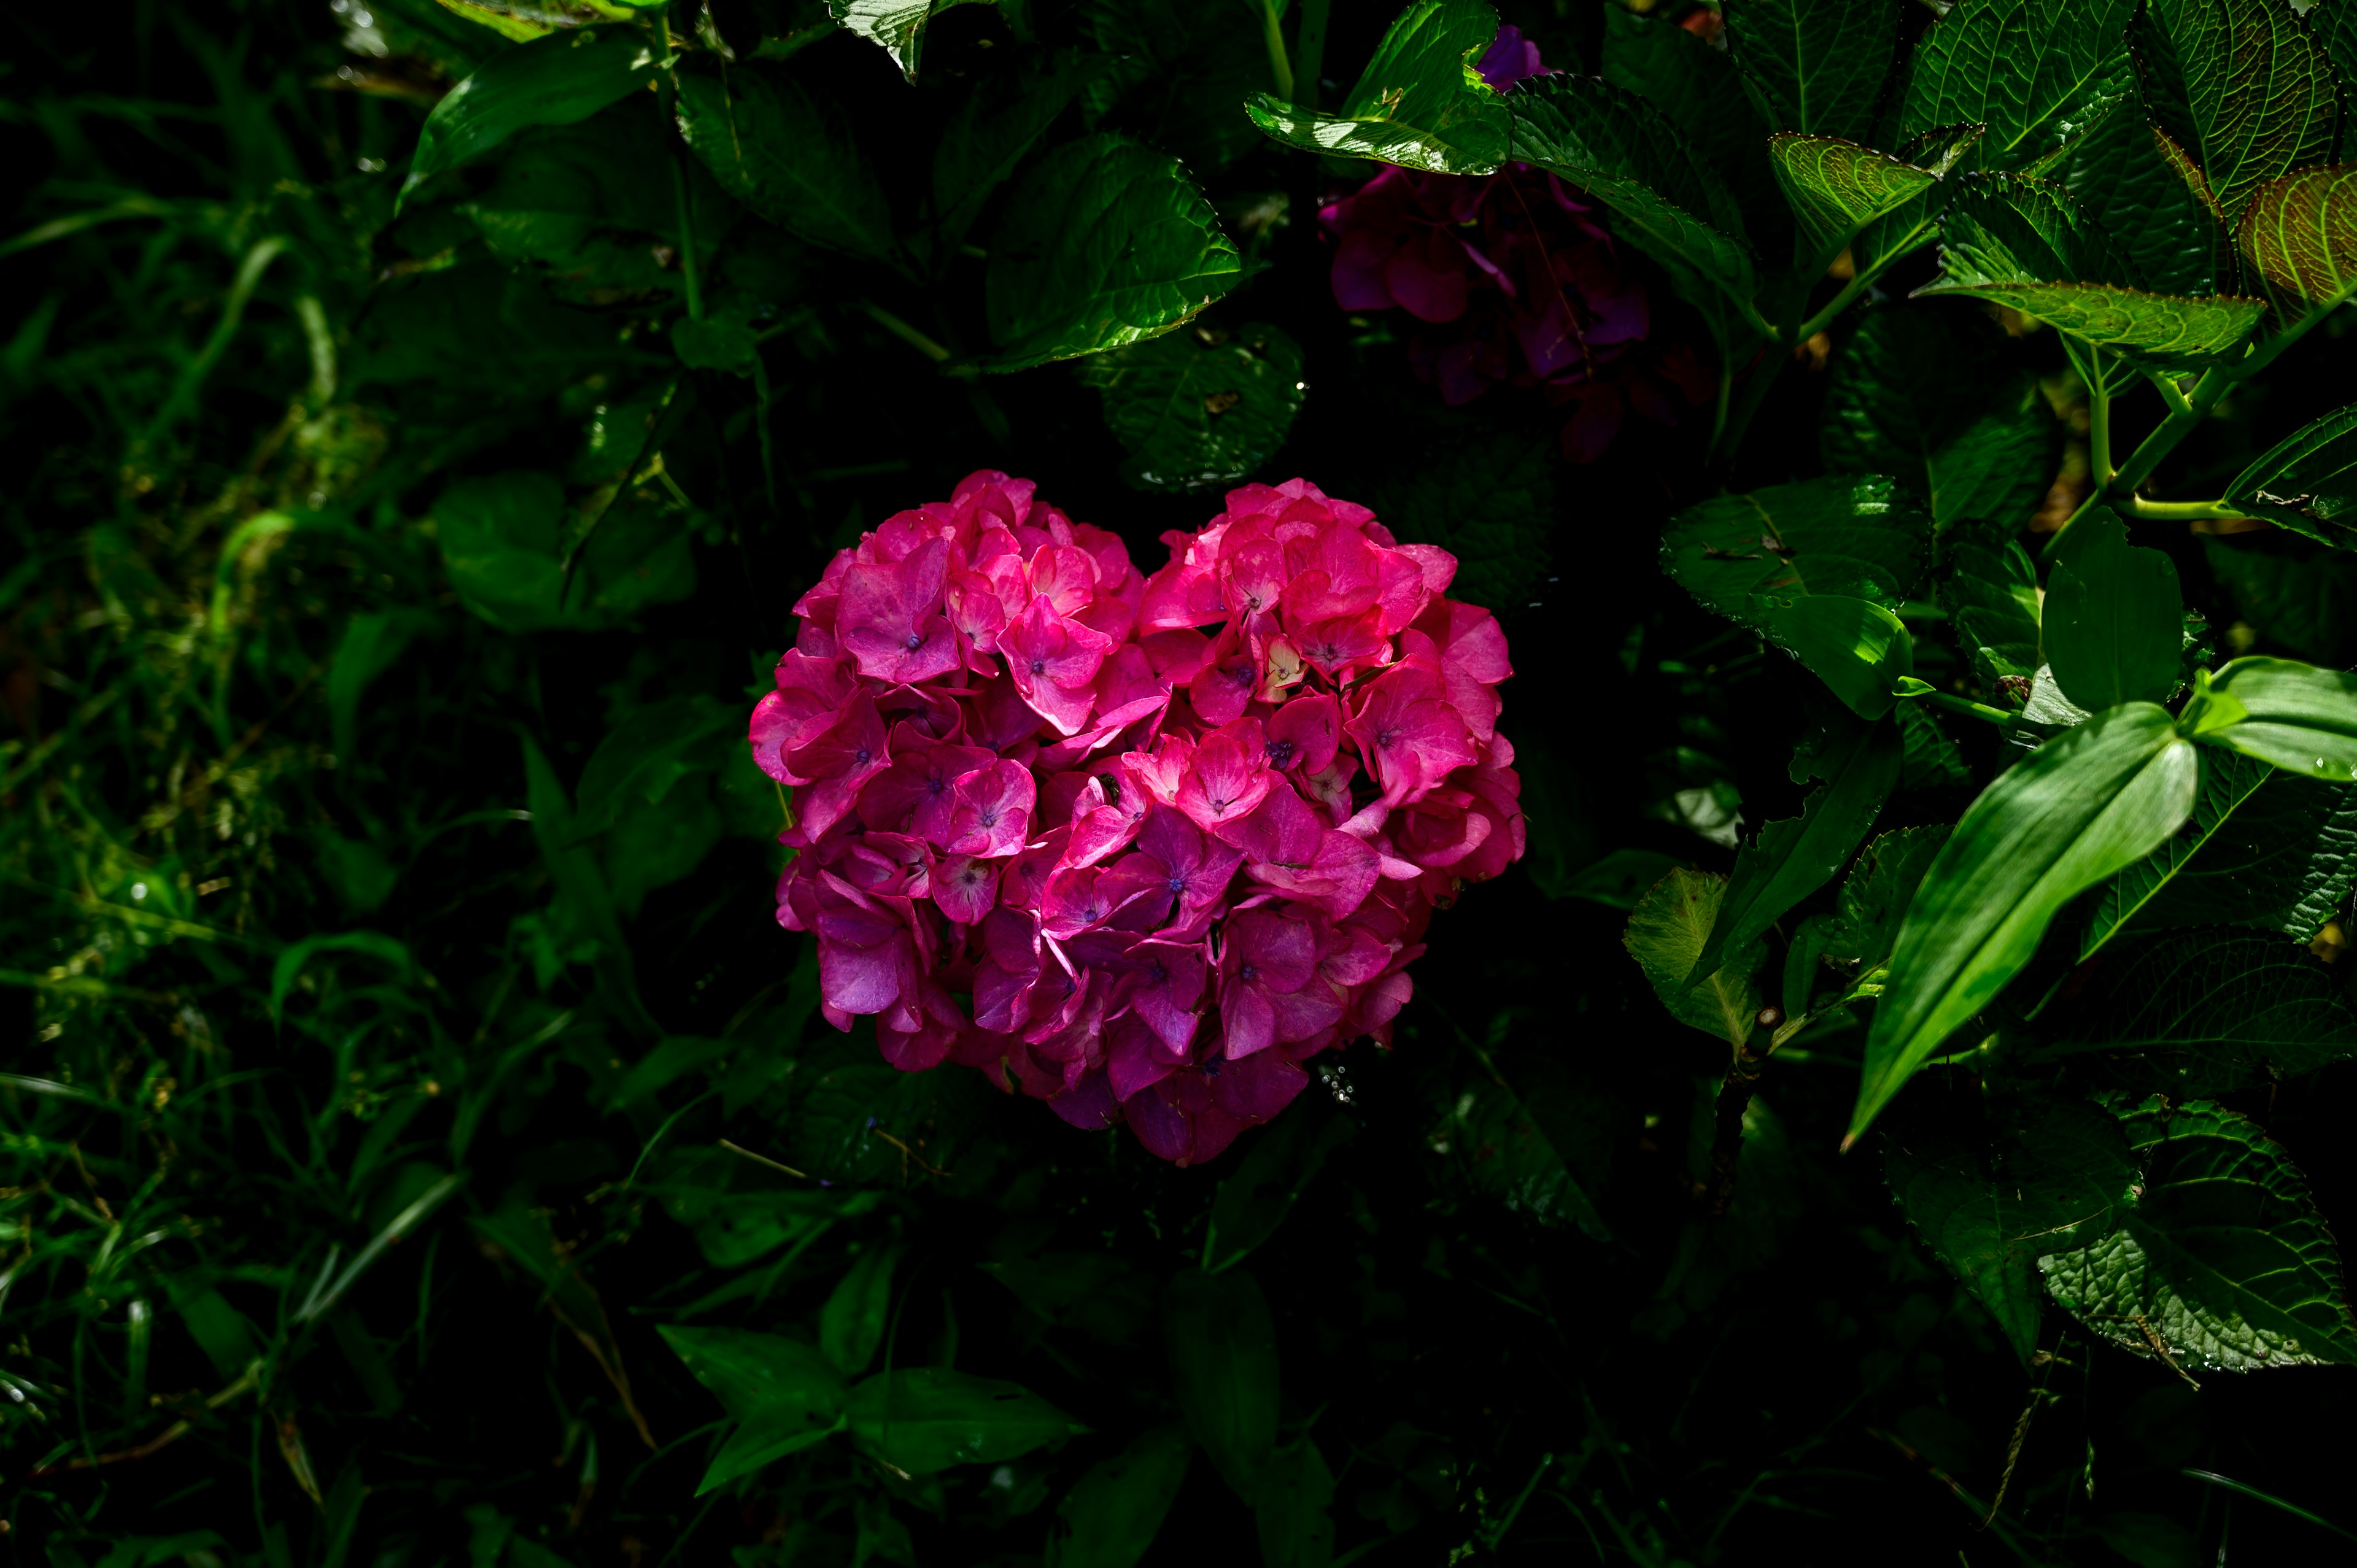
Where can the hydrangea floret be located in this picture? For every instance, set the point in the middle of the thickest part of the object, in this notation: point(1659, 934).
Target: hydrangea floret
point(1138, 846)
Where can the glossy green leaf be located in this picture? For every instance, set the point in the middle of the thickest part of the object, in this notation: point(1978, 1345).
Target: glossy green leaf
point(2164, 233)
point(2259, 88)
point(993, 130)
point(1857, 648)
point(782, 1393)
point(851, 1325)
point(2082, 807)
point(1666, 936)
point(1290, 1515)
point(2224, 1263)
point(1113, 1511)
point(1990, 1206)
point(896, 26)
point(1837, 187)
point(2035, 72)
point(1254, 1199)
point(922, 1419)
point(2209, 1011)
point(2301, 718)
point(1698, 92)
point(1200, 408)
point(2113, 619)
point(1794, 858)
point(1855, 537)
point(1817, 66)
point(773, 147)
point(2300, 234)
point(1617, 147)
point(1103, 243)
point(1418, 104)
point(558, 79)
point(1929, 397)
point(1876, 894)
point(2308, 481)
point(1222, 1346)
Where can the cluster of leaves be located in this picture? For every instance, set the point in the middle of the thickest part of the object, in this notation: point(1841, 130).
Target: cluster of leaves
point(420, 1142)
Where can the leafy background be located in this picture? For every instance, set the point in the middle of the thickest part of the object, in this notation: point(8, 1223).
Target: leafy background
point(402, 1051)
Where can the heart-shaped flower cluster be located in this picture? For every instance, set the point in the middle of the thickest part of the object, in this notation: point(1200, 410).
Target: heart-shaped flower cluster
point(1171, 836)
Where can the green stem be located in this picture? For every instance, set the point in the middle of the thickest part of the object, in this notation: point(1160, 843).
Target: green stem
point(688, 258)
point(1982, 710)
point(2176, 511)
point(2206, 392)
point(1755, 392)
point(2099, 436)
point(1278, 66)
point(1309, 47)
point(183, 397)
point(1859, 284)
point(906, 333)
point(2170, 394)
point(1718, 415)
point(2096, 498)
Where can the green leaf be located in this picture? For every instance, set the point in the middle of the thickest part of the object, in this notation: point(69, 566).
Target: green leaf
point(2300, 234)
point(643, 756)
point(1991, 1207)
point(1486, 498)
point(2211, 1011)
point(859, 1119)
point(1931, 760)
point(1817, 66)
point(2223, 1263)
point(502, 543)
point(721, 341)
point(2298, 598)
point(2260, 94)
point(1222, 1346)
point(1199, 408)
point(1536, 1146)
point(2308, 481)
point(1113, 1511)
point(1837, 187)
point(558, 79)
point(1290, 1514)
point(1928, 396)
point(783, 1393)
point(1103, 243)
point(994, 128)
point(896, 26)
point(773, 147)
point(1098, 1294)
point(2081, 808)
point(1856, 647)
point(920, 1419)
point(1877, 892)
point(1254, 1199)
point(1666, 936)
point(2301, 718)
point(2114, 620)
point(1175, 73)
point(1851, 537)
point(1795, 858)
point(1620, 879)
point(1699, 92)
point(1617, 147)
point(2035, 72)
point(1992, 599)
point(1418, 105)
point(851, 1324)
point(2164, 232)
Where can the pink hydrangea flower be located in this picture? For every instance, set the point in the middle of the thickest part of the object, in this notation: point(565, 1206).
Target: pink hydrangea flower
point(1173, 836)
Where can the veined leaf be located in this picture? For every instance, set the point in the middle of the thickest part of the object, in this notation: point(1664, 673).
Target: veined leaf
point(1291, 1514)
point(2228, 779)
point(2118, 174)
point(773, 149)
point(2259, 90)
point(1857, 646)
point(1992, 1207)
point(1665, 935)
point(896, 26)
point(2301, 604)
point(851, 1325)
point(2301, 718)
point(1795, 858)
point(2301, 233)
point(923, 1419)
point(1990, 591)
point(2211, 1011)
point(994, 128)
point(1699, 92)
point(561, 78)
point(1539, 1146)
point(2082, 807)
point(1222, 1346)
point(2223, 1263)
point(1418, 105)
point(1200, 408)
point(1837, 187)
point(1113, 1511)
point(1486, 498)
point(1103, 243)
point(2113, 622)
point(1849, 536)
point(783, 1392)
point(524, 20)
point(1877, 892)
point(2308, 481)
point(1817, 66)
point(2035, 72)
point(2168, 330)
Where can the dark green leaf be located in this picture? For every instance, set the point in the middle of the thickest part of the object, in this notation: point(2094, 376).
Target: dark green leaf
point(991, 131)
point(1095, 1293)
point(642, 757)
point(2298, 597)
point(558, 79)
point(1666, 936)
point(2164, 233)
point(1991, 595)
point(1199, 408)
point(2082, 807)
point(1851, 537)
point(2223, 1263)
point(1176, 73)
point(1856, 647)
point(1817, 66)
point(2047, 1182)
point(1417, 104)
point(2308, 481)
point(1535, 1165)
point(1837, 187)
point(1488, 500)
point(1222, 1349)
point(783, 1393)
point(897, 26)
point(922, 1419)
point(2301, 718)
point(2211, 1011)
point(1113, 1511)
point(719, 342)
point(1290, 1513)
point(1927, 396)
point(1699, 92)
point(848, 1096)
point(1932, 761)
point(1254, 1199)
point(2035, 72)
point(1795, 858)
point(1620, 879)
point(2260, 91)
point(1876, 894)
point(1103, 243)
point(2113, 618)
point(851, 1325)
point(773, 147)
point(502, 543)
point(581, 883)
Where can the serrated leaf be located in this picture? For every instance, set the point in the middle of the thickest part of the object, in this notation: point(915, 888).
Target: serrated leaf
point(2300, 234)
point(558, 79)
point(1222, 1346)
point(1932, 761)
point(920, 1419)
point(1103, 243)
point(2308, 481)
point(1991, 1207)
point(1699, 92)
point(2034, 72)
point(1176, 72)
point(1114, 1510)
point(2301, 718)
point(2260, 94)
point(1418, 105)
point(1877, 892)
point(1990, 591)
point(1853, 536)
point(1837, 187)
point(2113, 618)
point(782, 1391)
point(773, 147)
point(1817, 66)
point(1196, 408)
point(1927, 396)
point(896, 26)
point(2079, 809)
point(2209, 1011)
point(2163, 232)
point(1665, 934)
point(2224, 1263)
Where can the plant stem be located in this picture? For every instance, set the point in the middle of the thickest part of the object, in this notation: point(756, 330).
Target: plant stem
point(1859, 284)
point(1982, 711)
point(2179, 423)
point(1278, 66)
point(688, 258)
point(906, 333)
point(1755, 391)
point(1309, 47)
point(2176, 511)
point(2099, 435)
